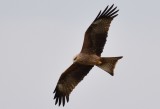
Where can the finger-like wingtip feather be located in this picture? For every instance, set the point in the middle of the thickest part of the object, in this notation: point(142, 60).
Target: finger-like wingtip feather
point(56, 101)
point(67, 98)
point(109, 9)
point(60, 98)
point(98, 14)
point(104, 10)
point(63, 101)
point(109, 12)
point(59, 101)
point(114, 16)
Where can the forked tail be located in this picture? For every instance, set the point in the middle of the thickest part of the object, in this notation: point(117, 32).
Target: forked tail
point(108, 64)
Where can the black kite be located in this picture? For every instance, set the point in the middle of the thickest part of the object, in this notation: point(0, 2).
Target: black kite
point(90, 55)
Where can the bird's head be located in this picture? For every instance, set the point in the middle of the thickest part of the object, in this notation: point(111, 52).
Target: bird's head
point(75, 58)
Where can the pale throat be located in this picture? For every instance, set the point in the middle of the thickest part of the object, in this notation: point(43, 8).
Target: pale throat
point(87, 59)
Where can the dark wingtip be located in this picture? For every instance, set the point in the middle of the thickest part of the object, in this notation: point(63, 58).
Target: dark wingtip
point(112, 74)
point(60, 98)
point(98, 15)
point(56, 101)
point(108, 12)
point(59, 101)
point(63, 101)
point(105, 10)
point(67, 98)
point(54, 91)
point(120, 57)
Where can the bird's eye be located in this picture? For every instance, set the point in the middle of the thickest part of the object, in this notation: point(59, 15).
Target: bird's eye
point(75, 58)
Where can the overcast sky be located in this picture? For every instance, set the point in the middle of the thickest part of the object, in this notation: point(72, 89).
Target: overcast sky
point(39, 38)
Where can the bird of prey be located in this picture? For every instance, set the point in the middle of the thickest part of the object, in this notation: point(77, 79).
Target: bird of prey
point(89, 56)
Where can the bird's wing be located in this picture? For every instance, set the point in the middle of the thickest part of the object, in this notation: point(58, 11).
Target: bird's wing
point(68, 80)
point(96, 34)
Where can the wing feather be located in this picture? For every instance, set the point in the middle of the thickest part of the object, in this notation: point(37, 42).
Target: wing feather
point(104, 11)
point(96, 34)
point(109, 9)
point(68, 80)
point(108, 14)
point(98, 14)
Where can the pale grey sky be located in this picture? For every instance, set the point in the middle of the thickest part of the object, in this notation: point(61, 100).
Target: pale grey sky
point(39, 38)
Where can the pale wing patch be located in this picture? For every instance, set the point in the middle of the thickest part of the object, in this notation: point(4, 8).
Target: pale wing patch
point(98, 21)
point(60, 87)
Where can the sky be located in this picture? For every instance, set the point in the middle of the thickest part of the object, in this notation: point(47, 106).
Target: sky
point(39, 38)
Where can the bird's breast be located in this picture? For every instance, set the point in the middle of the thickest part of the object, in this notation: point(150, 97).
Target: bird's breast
point(88, 59)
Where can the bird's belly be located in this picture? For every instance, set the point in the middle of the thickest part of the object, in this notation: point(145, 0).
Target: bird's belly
point(89, 60)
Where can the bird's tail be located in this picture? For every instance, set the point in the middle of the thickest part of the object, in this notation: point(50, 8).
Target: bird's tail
point(108, 64)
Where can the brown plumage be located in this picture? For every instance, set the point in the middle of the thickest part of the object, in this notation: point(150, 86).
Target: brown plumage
point(96, 34)
point(90, 55)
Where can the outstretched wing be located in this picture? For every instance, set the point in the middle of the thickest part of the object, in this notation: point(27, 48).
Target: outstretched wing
point(68, 80)
point(96, 34)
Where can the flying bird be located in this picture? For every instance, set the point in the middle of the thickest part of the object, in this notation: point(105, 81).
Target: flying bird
point(89, 56)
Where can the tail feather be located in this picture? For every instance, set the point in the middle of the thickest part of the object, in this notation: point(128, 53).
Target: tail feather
point(108, 64)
